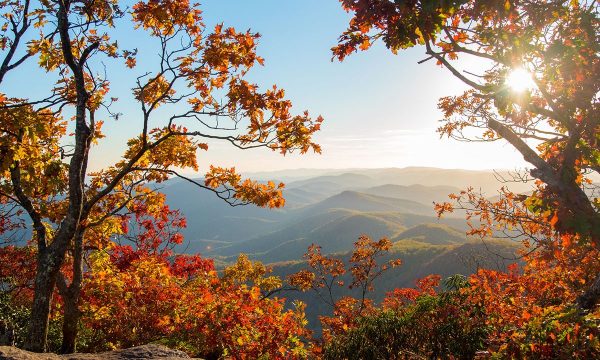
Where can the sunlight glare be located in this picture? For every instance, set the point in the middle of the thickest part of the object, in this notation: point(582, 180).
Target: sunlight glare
point(519, 80)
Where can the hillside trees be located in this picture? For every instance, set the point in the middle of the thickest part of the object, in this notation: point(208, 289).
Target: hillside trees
point(137, 291)
point(537, 88)
point(326, 273)
point(46, 142)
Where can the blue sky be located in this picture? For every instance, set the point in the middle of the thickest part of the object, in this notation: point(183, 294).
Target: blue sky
point(380, 109)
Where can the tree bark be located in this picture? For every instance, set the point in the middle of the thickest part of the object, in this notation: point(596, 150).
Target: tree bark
point(50, 261)
point(71, 295)
point(45, 280)
point(70, 325)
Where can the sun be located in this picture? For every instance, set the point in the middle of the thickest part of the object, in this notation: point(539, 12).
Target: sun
point(519, 80)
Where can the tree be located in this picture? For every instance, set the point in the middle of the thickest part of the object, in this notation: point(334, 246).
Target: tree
point(537, 90)
point(137, 290)
point(199, 77)
point(326, 274)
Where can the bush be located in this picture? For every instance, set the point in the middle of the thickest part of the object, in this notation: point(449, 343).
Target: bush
point(433, 326)
point(14, 324)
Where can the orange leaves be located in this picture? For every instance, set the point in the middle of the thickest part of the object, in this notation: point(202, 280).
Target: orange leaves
point(17, 270)
point(31, 139)
point(399, 24)
point(143, 279)
point(303, 279)
point(296, 133)
point(428, 284)
point(346, 314)
point(50, 55)
point(221, 61)
point(165, 17)
point(326, 273)
point(229, 48)
point(324, 265)
point(364, 267)
point(135, 296)
point(174, 149)
point(443, 208)
point(217, 177)
point(156, 91)
point(246, 191)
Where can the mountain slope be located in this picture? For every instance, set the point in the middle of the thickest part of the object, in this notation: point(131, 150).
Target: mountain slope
point(433, 234)
point(353, 200)
point(423, 194)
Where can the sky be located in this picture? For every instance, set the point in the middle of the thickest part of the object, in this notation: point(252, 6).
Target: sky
point(380, 109)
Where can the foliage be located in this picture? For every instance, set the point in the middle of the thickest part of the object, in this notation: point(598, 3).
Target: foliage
point(199, 77)
point(194, 310)
point(326, 273)
point(550, 308)
point(14, 320)
point(416, 323)
point(555, 42)
point(531, 313)
point(138, 291)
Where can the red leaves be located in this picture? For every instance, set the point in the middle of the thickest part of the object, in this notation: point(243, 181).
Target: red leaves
point(185, 301)
point(17, 270)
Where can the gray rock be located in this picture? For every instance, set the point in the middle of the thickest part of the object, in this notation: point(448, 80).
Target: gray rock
point(145, 352)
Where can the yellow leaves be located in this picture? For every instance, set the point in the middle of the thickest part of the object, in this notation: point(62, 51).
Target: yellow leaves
point(174, 149)
point(296, 133)
point(245, 271)
point(50, 54)
point(217, 177)
point(98, 132)
point(96, 90)
point(32, 138)
point(157, 91)
point(229, 48)
point(365, 45)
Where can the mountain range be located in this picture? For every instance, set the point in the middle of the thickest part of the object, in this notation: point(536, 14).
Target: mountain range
point(331, 209)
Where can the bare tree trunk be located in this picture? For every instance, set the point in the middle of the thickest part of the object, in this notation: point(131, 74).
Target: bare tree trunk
point(71, 295)
point(50, 261)
point(48, 266)
point(70, 325)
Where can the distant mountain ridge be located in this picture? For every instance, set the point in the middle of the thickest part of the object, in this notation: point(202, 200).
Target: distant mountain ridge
point(214, 228)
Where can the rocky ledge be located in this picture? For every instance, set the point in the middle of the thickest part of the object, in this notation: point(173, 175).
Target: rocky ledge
point(145, 352)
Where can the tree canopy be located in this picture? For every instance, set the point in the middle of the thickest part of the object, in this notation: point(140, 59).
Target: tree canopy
point(199, 77)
